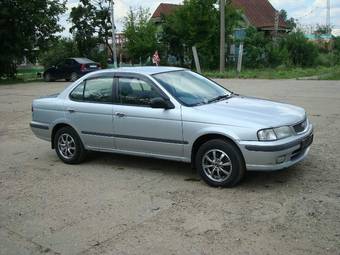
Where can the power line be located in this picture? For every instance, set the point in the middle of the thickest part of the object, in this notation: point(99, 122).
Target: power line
point(311, 12)
point(328, 16)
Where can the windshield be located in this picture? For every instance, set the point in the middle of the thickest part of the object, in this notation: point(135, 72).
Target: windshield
point(191, 88)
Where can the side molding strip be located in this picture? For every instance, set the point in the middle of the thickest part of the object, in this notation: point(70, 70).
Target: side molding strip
point(136, 137)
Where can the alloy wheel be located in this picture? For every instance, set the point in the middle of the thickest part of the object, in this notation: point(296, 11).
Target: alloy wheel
point(66, 146)
point(217, 165)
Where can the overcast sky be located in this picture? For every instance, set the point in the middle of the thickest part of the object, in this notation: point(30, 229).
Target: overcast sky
point(308, 12)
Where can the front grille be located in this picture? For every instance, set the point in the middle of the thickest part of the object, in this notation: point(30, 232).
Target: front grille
point(301, 127)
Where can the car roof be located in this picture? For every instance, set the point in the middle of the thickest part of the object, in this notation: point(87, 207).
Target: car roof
point(149, 70)
point(83, 60)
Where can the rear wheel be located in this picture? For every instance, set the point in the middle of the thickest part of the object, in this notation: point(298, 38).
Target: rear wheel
point(74, 76)
point(220, 163)
point(68, 146)
point(47, 77)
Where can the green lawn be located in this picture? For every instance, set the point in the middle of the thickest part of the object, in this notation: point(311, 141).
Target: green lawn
point(321, 73)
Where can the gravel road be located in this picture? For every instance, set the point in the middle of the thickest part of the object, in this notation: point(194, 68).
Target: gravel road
point(115, 204)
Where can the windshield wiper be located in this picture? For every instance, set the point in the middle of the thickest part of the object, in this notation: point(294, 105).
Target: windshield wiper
point(220, 98)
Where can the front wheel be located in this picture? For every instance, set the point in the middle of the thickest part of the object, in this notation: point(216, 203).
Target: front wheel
point(220, 163)
point(68, 146)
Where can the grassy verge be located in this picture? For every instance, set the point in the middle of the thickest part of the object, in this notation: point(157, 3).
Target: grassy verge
point(321, 73)
point(24, 75)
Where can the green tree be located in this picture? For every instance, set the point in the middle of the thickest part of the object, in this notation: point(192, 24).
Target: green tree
point(83, 31)
point(25, 25)
point(140, 33)
point(291, 23)
point(91, 26)
point(58, 50)
point(196, 22)
point(322, 30)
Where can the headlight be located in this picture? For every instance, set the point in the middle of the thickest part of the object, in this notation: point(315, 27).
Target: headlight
point(266, 135)
point(272, 134)
point(283, 132)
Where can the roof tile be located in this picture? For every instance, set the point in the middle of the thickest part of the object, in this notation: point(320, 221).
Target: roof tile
point(164, 9)
point(260, 13)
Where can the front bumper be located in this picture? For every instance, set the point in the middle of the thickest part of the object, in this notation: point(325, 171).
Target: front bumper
point(276, 155)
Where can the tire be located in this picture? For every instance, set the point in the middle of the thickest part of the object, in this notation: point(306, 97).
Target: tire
point(74, 76)
point(47, 77)
point(67, 79)
point(72, 152)
point(226, 171)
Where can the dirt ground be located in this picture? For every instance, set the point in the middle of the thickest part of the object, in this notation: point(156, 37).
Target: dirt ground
point(115, 204)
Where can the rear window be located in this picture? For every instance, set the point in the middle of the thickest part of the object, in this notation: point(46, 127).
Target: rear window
point(78, 92)
point(84, 60)
point(98, 90)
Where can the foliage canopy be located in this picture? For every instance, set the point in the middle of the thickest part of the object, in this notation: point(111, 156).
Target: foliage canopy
point(25, 25)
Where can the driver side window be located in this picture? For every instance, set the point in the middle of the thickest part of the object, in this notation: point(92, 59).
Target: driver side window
point(133, 91)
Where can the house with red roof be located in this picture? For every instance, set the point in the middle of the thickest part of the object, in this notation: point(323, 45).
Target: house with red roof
point(260, 14)
point(256, 13)
point(163, 9)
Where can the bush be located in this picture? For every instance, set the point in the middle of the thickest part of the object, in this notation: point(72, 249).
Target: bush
point(254, 48)
point(326, 59)
point(277, 55)
point(336, 49)
point(301, 51)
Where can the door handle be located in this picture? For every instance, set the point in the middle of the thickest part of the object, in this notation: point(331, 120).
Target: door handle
point(119, 114)
point(70, 110)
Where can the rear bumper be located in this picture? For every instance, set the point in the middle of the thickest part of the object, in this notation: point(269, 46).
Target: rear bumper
point(277, 155)
point(86, 71)
point(41, 130)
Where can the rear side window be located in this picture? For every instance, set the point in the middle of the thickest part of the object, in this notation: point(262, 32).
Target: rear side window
point(97, 90)
point(78, 92)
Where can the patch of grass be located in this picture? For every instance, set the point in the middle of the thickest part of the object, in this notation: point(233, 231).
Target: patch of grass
point(24, 75)
point(335, 76)
point(324, 73)
point(16, 81)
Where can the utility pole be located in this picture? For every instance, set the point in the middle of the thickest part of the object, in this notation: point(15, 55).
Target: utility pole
point(114, 51)
point(328, 17)
point(222, 35)
point(276, 24)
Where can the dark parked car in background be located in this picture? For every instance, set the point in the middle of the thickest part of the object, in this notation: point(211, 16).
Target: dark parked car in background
point(70, 69)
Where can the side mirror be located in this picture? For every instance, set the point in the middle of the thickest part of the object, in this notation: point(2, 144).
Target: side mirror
point(160, 102)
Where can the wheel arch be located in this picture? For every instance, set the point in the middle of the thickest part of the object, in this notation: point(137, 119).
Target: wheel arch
point(207, 137)
point(59, 126)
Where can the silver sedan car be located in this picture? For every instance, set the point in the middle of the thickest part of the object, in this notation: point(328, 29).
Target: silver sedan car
point(174, 114)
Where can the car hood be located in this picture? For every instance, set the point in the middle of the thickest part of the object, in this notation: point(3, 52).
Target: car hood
point(246, 111)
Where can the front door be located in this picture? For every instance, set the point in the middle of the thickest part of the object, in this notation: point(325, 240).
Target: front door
point(90, 111)
point(140, 128)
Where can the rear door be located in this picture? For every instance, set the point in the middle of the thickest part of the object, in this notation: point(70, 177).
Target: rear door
point(89, 109)
point(59, 72)
point(70, 66)
point(140, 128)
